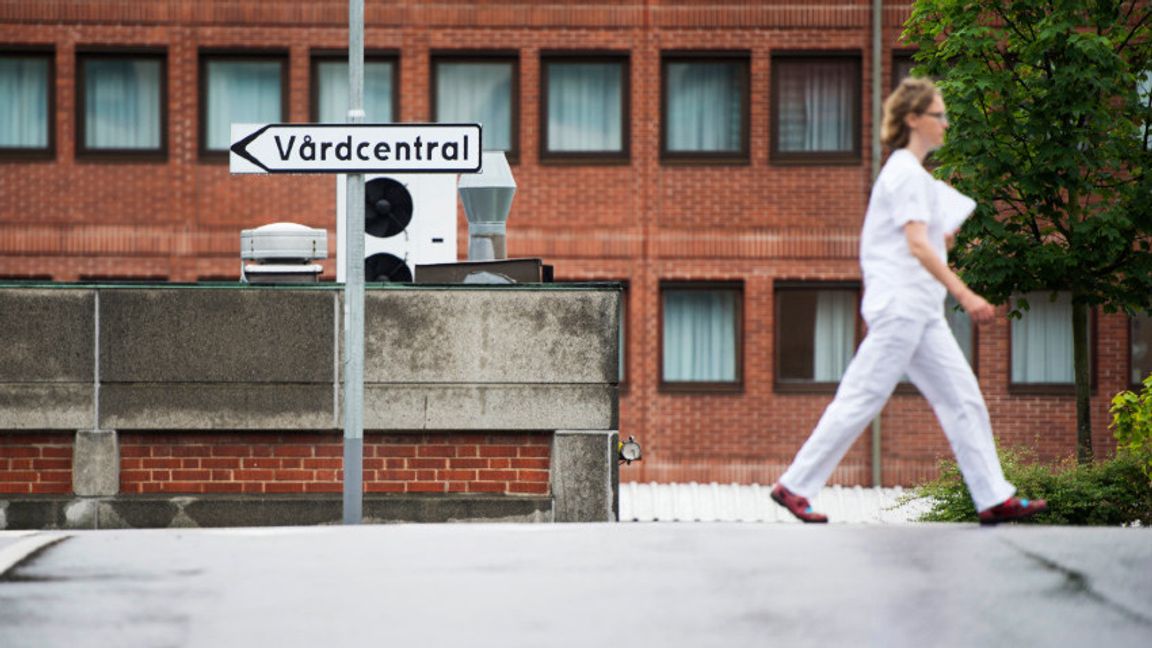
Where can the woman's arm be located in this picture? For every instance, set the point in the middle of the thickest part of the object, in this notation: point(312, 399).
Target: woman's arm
point(976, 306)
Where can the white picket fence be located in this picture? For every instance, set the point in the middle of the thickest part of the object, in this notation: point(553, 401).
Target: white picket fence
point(714, 502)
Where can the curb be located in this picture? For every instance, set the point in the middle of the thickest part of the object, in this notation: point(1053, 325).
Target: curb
point(25, 547)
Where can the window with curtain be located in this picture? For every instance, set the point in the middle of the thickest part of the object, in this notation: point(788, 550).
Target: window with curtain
point(585, 103)
point(1144, 94)
point(902, 65)
point(705, 107)
point(330, 90)
point(815, 333)
point(238, 90)
point(701, 332)
point(25, 111)
point(961, 325)
point(1042, 341)
point(816, 109)
point(479, 91)
point(1141, 348)
point(122, 103)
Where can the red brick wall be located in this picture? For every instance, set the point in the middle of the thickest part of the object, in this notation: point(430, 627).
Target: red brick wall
point(187, 463)
point(643, 221)
point(35, 464)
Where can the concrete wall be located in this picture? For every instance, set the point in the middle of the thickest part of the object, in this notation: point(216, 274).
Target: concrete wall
point(170, 360)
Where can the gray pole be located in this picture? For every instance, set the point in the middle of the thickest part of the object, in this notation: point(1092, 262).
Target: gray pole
point(354, 286)
point(877, 120)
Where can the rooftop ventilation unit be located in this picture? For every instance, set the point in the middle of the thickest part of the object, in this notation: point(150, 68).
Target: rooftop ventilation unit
point(282, 253)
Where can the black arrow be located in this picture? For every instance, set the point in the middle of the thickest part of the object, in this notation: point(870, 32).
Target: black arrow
point(241, 148)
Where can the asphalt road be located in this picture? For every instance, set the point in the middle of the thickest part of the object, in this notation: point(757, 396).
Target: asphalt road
point(660, 585)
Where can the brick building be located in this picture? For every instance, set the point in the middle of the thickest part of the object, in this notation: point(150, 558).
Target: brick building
point(719, 163)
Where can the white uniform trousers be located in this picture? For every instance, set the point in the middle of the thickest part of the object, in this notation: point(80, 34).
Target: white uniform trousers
point(927, 351)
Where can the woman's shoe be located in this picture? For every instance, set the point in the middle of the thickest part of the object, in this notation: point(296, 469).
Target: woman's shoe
point(1011, 509)
point(797, 505)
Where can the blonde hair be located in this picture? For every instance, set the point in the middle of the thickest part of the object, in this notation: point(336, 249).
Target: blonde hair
point(912, 97)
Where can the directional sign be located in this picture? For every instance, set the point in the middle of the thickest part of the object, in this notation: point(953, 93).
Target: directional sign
point(355, 148)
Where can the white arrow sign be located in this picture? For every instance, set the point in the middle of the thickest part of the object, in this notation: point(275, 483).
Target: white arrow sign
point(355, 148)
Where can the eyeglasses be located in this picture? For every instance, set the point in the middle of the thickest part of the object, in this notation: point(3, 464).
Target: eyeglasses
point(942, 116)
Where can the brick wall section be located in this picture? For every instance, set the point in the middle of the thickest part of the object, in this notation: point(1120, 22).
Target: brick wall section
point(35, 464)
point(270, 463)
point(643, 221)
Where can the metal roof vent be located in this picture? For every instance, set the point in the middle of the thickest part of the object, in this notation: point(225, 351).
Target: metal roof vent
point(487, 198)
point(282, 253)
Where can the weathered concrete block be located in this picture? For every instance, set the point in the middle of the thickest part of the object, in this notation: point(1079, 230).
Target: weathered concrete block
point(249, 335)
point(489, 407)
point(585, 481)
point(511, 335)
point(47, 335)
point(96, 463)
point(46, 406)
point(165, 406)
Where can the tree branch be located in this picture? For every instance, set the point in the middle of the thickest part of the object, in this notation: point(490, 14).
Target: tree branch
point(1135, 28)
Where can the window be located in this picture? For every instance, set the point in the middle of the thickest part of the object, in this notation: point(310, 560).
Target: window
point(330, 89)
point(902, 65)
point(1141, 337)
point(479, 89)
point(121, 99)
point(961, 325)
point(240, 89)
point(1042, 341)
point(705, 107)
point(816, 333)
point(816, 109)
point(584, 113)
point(701, 336)
point(1144, 95)
point(26, 83)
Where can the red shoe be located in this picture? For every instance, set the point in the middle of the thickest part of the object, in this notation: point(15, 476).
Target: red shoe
point(1012, 509)
point(797, 505)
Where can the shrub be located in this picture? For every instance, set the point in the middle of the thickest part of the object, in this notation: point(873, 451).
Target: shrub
point(1112, 492)
point(1132, 424)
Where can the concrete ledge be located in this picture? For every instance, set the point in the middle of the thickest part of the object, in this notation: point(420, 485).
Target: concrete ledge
point(50, 335)
point(152, 335)
point(486, 336)
point(237, 406)
point(46, 406)
point(489, 407)
point(192, 511)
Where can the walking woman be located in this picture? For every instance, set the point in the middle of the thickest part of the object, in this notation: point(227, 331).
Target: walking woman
point(910, 221)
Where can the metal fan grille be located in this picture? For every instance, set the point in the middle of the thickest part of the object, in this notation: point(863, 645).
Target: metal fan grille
point(387, 208)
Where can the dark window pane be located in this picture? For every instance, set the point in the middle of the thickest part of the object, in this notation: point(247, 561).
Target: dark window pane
point(24, 107)
point(479, 92)
point(584, 107)
point(816, 334)
point(700, 335)
point(332, 81)
point(817, 105)
point(240, 92)
point(122, 103)
point(1141, 348)
point(704, 107)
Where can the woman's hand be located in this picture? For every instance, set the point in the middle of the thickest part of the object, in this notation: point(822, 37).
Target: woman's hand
point(977, 307)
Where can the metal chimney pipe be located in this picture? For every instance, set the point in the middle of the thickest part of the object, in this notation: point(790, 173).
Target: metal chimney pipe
point(487, 198)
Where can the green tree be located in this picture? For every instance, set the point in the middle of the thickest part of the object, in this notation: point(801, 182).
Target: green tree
point(1050, 132)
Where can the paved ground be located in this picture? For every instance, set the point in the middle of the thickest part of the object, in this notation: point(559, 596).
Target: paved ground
point(658, 585)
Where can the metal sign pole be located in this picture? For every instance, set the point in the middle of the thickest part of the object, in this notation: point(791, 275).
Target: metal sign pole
point(354, 286)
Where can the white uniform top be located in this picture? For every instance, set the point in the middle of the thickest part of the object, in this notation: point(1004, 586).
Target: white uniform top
point(895, 283)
